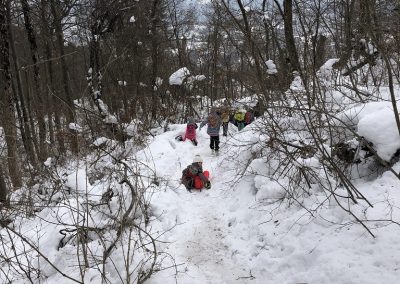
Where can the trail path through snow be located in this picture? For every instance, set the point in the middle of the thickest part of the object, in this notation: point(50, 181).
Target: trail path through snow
point(231, 234)
point(200, 241)
point(205, 248)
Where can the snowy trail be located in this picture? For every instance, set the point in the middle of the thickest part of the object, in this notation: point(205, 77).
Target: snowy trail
point(233, 233)
point(201, 240)
point(204, 248)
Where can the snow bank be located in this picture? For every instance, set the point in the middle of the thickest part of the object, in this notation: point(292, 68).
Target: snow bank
point(376, 122)
point(239, 231)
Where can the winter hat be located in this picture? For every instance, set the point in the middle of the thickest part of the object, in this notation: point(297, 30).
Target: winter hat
point(197, 159)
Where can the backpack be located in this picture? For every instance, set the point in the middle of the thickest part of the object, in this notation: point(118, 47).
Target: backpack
point(213, 120)
point(188, 177)
point(248, 117)
point(188, 172)
point(225, 116)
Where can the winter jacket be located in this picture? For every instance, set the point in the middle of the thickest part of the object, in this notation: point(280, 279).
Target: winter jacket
point(188, 174)
point(225, 116)
point(190, 131)
point(213, 118)
point(239, 116)
point(248, 117)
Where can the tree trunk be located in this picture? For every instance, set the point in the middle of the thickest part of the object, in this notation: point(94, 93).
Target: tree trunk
point(253, 48)
point(49, 69)
point(348, 27)
point(94, 76)
point(36, 78)
point(214, 73)
point(6, 100)
point(30, 112)
point(26, 132)
point(64, 68)
point(154, 57)
point(3, 186)
point(289, 37)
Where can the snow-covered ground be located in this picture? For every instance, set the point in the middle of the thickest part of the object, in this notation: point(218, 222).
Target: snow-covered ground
point(229, 234)
point(239, 231)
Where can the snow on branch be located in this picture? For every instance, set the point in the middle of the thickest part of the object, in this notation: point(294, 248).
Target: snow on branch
point(182, 77)
point(179, 76)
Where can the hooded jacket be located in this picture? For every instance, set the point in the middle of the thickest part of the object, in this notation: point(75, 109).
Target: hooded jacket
point(188, 174)
point(190, 131)
point(212, 130)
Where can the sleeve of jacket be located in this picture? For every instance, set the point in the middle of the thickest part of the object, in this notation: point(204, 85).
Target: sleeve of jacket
point(193, 170)
point(204, 122)
point(203, 177)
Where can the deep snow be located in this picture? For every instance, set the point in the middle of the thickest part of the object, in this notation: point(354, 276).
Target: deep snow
point(239, 231)
point(236, 233)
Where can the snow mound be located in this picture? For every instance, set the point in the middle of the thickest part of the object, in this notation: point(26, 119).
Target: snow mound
point(179, 76)
point(376, 122)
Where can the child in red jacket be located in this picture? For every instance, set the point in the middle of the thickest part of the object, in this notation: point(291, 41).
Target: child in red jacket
point(190, 133)
point(193, 177)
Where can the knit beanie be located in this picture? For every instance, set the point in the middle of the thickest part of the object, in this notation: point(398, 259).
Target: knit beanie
point(197, 159)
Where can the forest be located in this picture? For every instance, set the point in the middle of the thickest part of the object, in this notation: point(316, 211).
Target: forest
point(93, 93)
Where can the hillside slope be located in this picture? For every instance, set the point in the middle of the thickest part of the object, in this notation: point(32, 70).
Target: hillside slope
point(239, 231)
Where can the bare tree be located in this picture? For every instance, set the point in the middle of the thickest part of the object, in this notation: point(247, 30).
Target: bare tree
point(3, 188)
point(37, 81)
point(7, 99)
point(58, 12)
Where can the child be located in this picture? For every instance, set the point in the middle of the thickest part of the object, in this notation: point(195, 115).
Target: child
point(190, 133)
point(239, 117)
point(225, 116)
point(248, 117)
point(213, 122)
point(193, 176)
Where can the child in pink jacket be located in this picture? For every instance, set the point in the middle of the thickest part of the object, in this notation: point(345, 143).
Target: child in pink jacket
point(190, 133)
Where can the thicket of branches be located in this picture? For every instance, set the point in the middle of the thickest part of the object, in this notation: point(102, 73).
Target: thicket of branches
point(306, 133)
point(118, 55)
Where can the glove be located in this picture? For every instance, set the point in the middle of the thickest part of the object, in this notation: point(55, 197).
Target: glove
point(207, 185)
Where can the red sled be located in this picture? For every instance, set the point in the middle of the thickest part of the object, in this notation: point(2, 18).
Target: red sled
point(198, 183)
